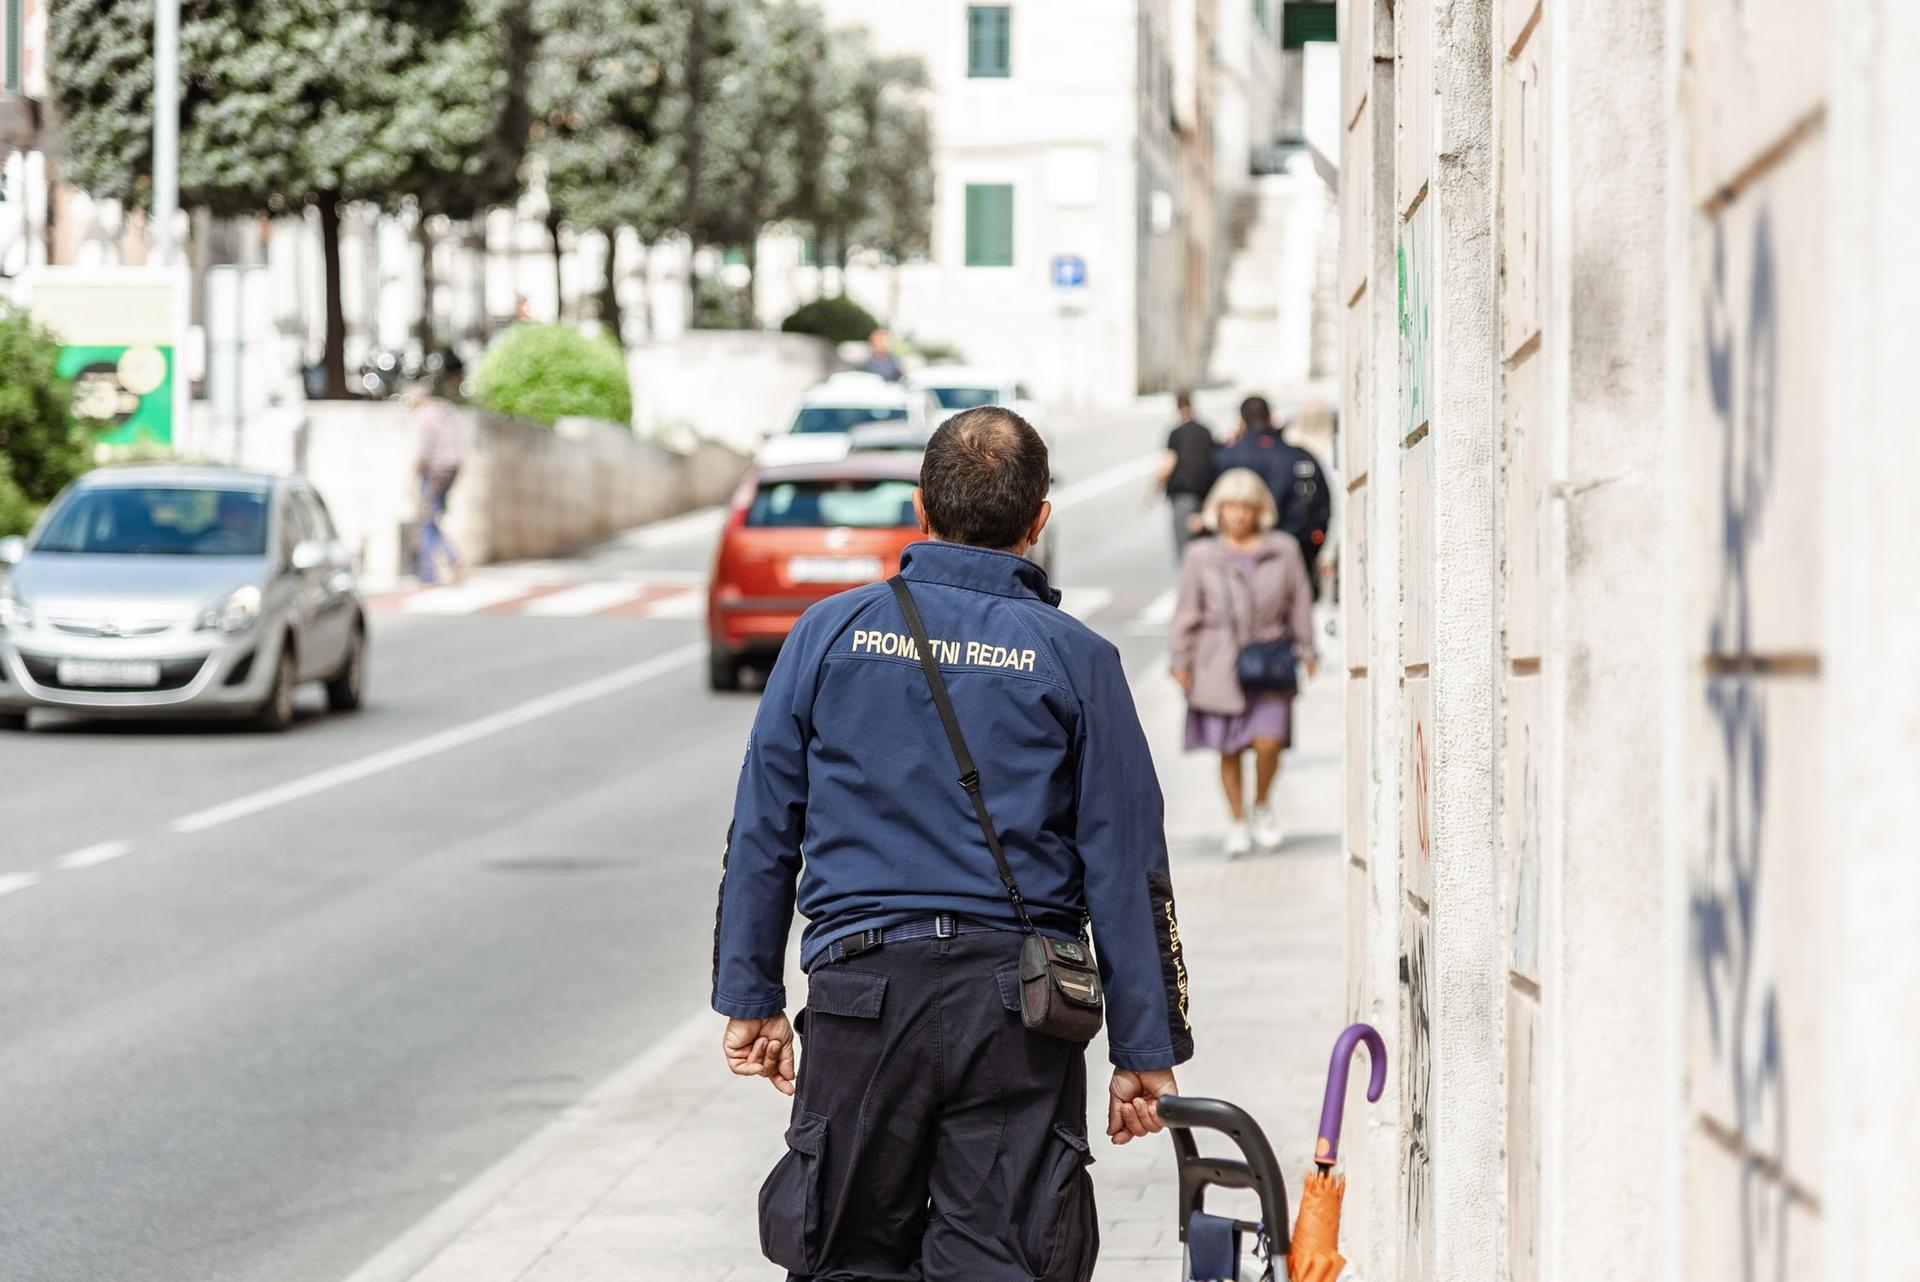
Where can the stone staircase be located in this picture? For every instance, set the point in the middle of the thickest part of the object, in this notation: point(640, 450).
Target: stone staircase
point(1279, 238)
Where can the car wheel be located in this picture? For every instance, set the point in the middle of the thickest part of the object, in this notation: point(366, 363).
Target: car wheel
point(346, 687)
point(723, 669)
point(13, 721)
point(276, 713)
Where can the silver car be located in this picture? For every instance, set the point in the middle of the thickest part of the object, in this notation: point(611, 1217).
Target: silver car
point(191, 591)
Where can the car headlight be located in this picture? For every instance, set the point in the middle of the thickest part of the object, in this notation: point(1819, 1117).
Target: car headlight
point(14, 613)
point(235, 614)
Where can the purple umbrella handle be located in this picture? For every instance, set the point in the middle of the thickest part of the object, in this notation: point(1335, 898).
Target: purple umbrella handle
point(1327, 1150)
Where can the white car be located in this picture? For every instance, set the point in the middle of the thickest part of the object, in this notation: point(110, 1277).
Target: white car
point(962, 387)
point(820, 429)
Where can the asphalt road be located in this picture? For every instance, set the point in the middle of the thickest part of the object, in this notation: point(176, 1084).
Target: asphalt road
point(265, 1000)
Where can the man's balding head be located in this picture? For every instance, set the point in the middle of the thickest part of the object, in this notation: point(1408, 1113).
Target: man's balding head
point(984, 479)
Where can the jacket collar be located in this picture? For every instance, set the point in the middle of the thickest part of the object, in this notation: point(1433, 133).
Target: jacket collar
point(960, 565)
point(1268, 547)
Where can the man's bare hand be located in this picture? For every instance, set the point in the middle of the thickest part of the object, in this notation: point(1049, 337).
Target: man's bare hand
point(1133, 1102)
point(761, 1048)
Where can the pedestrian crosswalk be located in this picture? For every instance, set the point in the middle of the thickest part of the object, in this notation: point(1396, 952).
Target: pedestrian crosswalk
point(542, 594)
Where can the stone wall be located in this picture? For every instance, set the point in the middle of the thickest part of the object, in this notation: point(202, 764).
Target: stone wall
point(730, 386)
point(524, 491)
point(1631, 736)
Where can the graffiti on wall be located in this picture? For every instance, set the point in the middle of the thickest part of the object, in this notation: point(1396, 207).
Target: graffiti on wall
point(1523, 945)
point(1416, 1081)
point(1738, 999)
point(1416, 322)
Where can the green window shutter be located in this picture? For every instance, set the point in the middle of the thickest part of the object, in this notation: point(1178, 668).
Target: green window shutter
point(989, 41)
point(989, 224)
point(15, 36)
point(1307, 22)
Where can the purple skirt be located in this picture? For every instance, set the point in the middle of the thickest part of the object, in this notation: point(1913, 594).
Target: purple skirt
point(1268, 716)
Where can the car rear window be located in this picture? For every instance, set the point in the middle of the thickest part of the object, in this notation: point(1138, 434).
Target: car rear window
point(863, 504)
point(844, 418)
point(965, 398)
point(159, 521)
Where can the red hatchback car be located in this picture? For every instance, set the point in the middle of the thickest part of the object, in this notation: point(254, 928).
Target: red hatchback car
point(797, 535)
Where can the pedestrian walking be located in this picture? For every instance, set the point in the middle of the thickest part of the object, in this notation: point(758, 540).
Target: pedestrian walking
point(436, 465)
point(1186, 470)
point(1293, 476)
point(880, 357)
point(1242, 606)
point(939, 1117)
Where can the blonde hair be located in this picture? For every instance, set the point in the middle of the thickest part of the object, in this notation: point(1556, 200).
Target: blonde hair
point(1240, 485)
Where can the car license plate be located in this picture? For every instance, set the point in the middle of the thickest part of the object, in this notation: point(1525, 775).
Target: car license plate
point(131, 673)
point(833, 569)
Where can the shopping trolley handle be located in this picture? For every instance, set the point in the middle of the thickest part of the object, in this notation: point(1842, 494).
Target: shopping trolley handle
point(1258, 1171)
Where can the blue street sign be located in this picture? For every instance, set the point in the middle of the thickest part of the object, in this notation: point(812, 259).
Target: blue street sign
point(1069, 271)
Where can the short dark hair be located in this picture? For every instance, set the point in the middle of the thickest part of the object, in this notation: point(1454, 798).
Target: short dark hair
point(1183, 400)
point(983, 478)
point(1255, 413)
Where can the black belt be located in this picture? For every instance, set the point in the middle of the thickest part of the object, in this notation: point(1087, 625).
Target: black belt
point(938, 926)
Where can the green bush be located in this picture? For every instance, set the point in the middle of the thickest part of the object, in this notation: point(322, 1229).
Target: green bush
point(838, 320)
point(41, 447)
point(543, 373)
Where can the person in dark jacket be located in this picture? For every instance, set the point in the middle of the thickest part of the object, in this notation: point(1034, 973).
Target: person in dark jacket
point(1186, 471)
point(933, 1135)
point(1293, 475)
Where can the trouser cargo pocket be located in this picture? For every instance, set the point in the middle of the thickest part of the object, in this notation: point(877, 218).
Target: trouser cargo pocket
point(790, 1200)
point(1064, 1233)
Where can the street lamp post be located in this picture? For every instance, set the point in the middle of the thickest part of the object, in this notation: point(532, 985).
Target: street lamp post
point(166, 126)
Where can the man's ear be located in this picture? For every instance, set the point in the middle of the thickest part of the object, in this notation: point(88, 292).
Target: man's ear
point(920, 512)
point(1040, 522)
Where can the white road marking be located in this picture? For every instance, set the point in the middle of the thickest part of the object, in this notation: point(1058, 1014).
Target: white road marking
point(691, 604)
point(1082, 603)
point(1101, 482)
point(464, 598)
point(90, 856)
point(10, 882)
point(1157, 615)
point(701, 523)
point(577, 602)
point(413, 1250)
point(442, 741)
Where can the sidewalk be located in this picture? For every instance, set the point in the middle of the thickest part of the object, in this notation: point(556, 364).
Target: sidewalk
point(657, 1176)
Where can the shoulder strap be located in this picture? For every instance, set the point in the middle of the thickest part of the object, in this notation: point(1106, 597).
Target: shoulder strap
point(969, 776)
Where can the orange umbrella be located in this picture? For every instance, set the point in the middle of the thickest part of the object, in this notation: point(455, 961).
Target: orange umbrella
point(1315, 1254)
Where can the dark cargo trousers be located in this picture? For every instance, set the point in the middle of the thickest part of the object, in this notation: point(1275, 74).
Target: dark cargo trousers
point(933, 1137)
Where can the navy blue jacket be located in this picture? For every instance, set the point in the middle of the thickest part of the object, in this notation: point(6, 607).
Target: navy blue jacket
point(848, 763)
point(1294, 476)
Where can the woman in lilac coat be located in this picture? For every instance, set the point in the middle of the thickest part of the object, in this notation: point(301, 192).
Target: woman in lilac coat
point(1248, 583)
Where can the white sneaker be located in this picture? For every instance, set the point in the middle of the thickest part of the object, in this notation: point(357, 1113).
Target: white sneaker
point(1266, 828)
point(1239, 840)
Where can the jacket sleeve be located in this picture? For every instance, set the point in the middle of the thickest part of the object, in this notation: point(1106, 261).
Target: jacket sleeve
point(1300, 606)
point(1121, 833)
point(761, 863)
point(1183, 633)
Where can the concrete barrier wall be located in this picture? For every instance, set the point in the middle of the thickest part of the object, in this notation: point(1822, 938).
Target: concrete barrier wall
point(524, 491)
point(731, 386)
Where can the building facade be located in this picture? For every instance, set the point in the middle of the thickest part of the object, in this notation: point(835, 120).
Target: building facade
point(1632, 725)
point(1074, 142)
point(24, 207)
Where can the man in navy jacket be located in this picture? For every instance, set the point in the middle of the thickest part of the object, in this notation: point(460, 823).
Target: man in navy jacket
point(933, 1135)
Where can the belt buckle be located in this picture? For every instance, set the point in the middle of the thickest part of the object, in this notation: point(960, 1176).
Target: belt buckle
point(854, 946)
point(943, 926)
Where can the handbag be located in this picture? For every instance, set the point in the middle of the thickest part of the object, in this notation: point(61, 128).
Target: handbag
point(1059, 981)
point(1262, 667)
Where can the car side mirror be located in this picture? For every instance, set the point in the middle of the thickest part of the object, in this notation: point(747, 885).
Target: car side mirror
point(13, 550)
point(307, 554)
